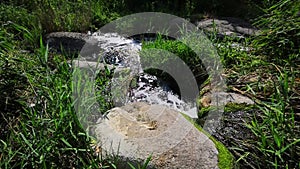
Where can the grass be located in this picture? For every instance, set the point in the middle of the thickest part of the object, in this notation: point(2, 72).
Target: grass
point(277, 34)
point(277, 130)
point(267, 74)
point(178, 50)
point(44, 131)
point(38, 124)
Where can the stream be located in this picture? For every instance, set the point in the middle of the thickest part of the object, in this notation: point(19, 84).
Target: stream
point(124, 53)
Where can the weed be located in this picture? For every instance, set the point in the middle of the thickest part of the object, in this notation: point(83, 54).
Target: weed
point(173, 50)
point(280, 26)
point(276, 131)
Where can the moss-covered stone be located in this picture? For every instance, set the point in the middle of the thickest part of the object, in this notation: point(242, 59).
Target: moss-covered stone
point(226, 159)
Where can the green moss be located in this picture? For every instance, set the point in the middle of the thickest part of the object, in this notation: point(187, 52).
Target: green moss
point(233, 107)
point(204, 111)
point(226, 159)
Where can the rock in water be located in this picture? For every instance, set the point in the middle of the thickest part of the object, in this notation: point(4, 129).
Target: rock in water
point(137, 130)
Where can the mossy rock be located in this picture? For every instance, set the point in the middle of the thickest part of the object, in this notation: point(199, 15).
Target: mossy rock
point(226, 159)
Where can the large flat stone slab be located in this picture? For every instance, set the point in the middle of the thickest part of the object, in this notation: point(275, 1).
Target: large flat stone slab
point(138, 130)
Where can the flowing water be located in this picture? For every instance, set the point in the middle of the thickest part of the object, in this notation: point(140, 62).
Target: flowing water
point(124, 54)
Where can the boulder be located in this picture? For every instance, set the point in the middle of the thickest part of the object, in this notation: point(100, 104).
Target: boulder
point(227, 26)
point(69, 43)
point(137, 130)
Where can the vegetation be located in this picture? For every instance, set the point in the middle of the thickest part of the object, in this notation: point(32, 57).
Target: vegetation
point(278, 35)
point(38, 124)
point(178, 50)
point(274, 61)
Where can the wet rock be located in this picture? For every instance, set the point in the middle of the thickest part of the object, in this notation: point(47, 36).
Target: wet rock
point(138, 130)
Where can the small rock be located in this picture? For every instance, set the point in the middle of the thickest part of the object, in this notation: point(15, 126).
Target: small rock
point(221, 98)
point(225, 98)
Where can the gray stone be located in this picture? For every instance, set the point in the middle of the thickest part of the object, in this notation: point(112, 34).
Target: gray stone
point(210, 98)
point(69, 43)
point(136, 130)
point(224, 98)
point(228, 26)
